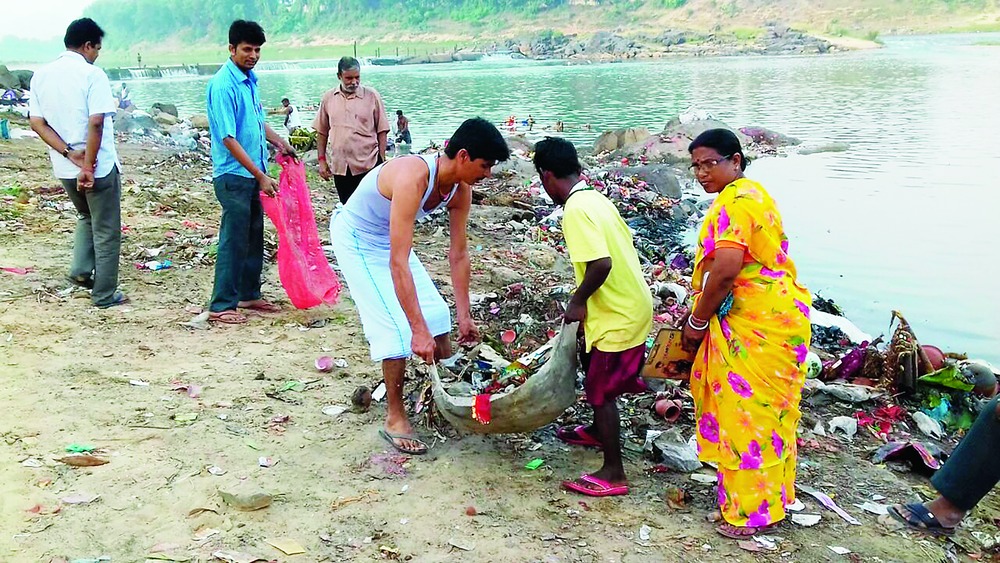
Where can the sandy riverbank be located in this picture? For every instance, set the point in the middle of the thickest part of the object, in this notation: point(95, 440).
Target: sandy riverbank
point(67, 367)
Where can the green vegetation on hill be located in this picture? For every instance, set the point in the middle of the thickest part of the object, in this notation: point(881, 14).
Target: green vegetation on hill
point(152, 20)
point(193, 31)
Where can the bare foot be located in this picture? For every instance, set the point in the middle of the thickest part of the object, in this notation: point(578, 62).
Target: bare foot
point(714, 516)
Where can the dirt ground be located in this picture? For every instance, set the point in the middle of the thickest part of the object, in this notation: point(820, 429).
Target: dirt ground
point(65, 373)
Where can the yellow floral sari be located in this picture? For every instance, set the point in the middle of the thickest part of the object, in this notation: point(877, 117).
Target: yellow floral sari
point(748, 374)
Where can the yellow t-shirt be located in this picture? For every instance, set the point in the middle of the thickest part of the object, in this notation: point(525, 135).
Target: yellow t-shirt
point(620, 312)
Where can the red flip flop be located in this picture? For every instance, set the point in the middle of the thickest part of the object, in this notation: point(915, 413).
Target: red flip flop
point(604, 489)
point(578, 437)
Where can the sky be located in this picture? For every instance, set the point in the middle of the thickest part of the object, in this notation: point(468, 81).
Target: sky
point(40, 19)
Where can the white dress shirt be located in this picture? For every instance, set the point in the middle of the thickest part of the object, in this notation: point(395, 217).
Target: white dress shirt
point(66, 92)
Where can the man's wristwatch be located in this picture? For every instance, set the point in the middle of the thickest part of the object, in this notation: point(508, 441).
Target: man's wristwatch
point(65, 151)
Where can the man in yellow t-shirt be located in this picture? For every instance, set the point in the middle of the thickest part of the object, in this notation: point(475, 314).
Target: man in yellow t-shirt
point(611, 300)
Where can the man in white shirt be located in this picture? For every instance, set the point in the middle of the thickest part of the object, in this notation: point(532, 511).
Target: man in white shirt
point(71, 109)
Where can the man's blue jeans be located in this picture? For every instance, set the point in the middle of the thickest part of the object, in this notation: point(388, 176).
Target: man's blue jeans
point(240, 258)
point(974, 467)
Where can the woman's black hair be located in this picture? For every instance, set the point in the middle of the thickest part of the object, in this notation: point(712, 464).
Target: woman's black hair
point(724, 141)
point(480, 139)
point(243, 31)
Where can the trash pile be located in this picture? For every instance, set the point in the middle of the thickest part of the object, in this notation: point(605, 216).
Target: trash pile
point(940, 391)
point(484, 371)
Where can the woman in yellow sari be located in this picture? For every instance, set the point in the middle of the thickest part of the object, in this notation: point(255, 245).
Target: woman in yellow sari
point(750, 327)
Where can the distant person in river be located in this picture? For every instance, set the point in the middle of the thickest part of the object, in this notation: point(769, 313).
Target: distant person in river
point(124, 97)
point(611, 302)
point(969, 475)
point(402, 128)
point(292, 119)
point(353, 120)
point(402, 312)
point(71, 109)
point(239, 176)
point(749, 327)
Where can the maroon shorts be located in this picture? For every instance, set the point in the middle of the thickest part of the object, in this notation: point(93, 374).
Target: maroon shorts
point(610, 374)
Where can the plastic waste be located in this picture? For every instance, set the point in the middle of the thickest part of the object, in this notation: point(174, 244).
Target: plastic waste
point(155, 265)
point(828, 503)
point(846, 424)
point(924, 458)
point(856, 335)
point(814, 366)
point(302, 267)
point(951, 377)
point(928, 425)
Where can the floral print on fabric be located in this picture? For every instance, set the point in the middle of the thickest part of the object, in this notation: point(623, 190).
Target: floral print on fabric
point(751, 363)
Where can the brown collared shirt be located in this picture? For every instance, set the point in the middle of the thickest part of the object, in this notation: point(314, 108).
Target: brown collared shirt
point(352, 124)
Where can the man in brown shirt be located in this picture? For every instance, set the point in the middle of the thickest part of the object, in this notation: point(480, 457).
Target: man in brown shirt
point(352, 117)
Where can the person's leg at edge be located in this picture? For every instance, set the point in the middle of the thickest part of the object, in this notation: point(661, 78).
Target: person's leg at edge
point(253, 264)
point(607, 423)
point(106, 220)
point(396, 421)
point(346, 185)
point(442, 346)
point(82, 267)
point(234, 229)
point(970, 473)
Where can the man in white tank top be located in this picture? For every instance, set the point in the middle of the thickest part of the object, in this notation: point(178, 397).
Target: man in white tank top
point(292, 119)
point(402, 312)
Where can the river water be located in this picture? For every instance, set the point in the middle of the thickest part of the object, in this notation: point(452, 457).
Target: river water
point(905, 219)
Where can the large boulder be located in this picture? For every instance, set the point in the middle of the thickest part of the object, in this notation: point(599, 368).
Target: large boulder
point(24, 76)
point(687, 131)
point(765, 136)
point(610, 141)
point(660, 178)
point(166, 108)
point(415, 60)
point(518, 142)
point(519, 169)
point(164, 118)
point(440, 58)
point(7, 79)
point(135, 122)
point(199, 121)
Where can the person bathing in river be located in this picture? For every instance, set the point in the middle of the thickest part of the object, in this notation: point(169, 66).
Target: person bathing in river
point(292, 119)
point(401, 311)
point(612, 302)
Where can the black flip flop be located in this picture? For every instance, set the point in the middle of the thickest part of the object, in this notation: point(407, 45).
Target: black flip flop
point(391, 438)
point(119, 298)
point(921, 520)
point(81, 281)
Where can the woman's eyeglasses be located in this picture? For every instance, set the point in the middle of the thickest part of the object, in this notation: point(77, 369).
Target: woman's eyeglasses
point(708, 165)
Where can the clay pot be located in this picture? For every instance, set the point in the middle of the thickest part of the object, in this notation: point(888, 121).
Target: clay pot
point(668, 409)
point(935, 355)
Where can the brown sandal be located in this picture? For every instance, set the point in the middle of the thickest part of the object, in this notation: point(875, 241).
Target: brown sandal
point(229, 317)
